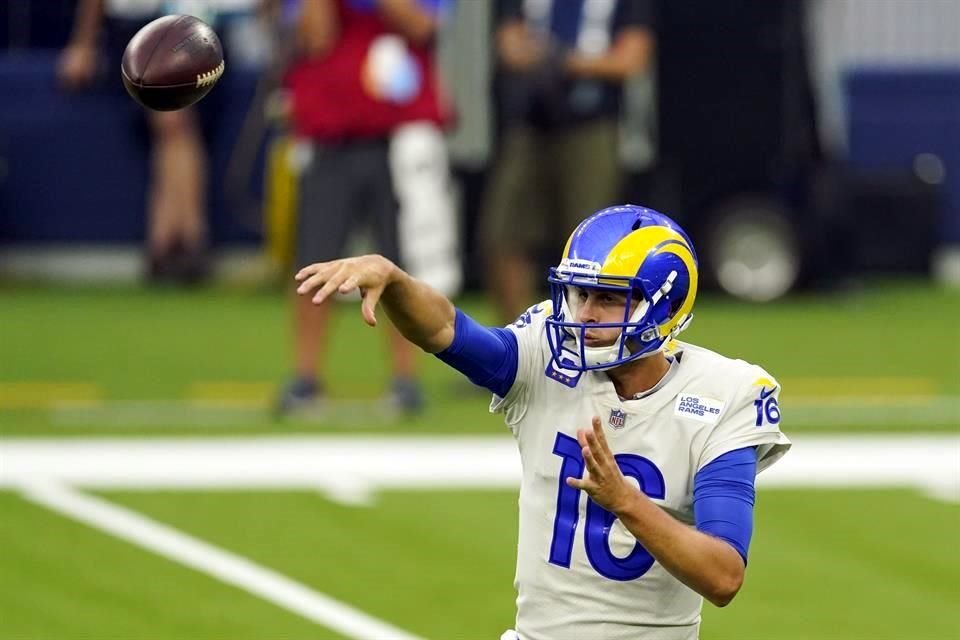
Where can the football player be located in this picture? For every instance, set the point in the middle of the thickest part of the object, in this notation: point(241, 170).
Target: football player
point(639, 451)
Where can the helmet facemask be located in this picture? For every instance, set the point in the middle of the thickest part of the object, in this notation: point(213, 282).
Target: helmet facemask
point(639, 337)
point(639, 253)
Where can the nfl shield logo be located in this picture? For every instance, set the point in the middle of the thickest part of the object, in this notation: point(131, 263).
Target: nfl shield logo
point(617, 419)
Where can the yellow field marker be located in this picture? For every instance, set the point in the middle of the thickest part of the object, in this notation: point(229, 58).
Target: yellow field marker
point(232, 394)
point(42, 395)
point(860, 387)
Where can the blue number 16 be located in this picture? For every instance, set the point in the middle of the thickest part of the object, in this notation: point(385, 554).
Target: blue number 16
point(599, 520)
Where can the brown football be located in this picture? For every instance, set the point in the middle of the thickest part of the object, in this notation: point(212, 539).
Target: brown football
point(172, 62)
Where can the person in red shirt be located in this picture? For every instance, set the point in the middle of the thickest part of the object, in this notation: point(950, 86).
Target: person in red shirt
point(365, 69)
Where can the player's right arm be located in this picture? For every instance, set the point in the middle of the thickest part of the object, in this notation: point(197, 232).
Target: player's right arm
point(425, 317)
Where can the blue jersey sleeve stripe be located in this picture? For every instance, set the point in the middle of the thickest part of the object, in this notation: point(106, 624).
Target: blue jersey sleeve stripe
point(488, 356)
point(723, 498)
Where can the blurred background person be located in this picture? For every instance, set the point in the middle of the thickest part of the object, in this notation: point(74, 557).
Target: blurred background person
point(561, 75)
point(176, 197)
point(365, 75)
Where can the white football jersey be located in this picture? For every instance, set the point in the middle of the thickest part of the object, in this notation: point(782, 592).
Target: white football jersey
point(580, 573)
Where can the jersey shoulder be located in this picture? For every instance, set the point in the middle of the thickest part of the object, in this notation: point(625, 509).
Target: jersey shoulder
point(532, 320)
point(722, 374)
point(744, 399)
point(530, 329)
point(532, 355)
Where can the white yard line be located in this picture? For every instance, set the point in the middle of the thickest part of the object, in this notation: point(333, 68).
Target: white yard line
point(223, 565)
point(351, 469)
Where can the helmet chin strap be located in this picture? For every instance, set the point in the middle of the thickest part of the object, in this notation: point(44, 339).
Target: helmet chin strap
point(594, 356)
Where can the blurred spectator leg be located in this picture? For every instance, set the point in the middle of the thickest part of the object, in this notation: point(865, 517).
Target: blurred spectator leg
point(325, 215)
point(589, 174)
point(512, 208)
point(383, 196)
point(511, 283)
point(405, 393)
point(310, 324)
point(177, 227)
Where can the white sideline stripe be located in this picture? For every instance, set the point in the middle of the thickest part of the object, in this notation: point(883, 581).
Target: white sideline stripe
point(223, 565)
point(353, 468)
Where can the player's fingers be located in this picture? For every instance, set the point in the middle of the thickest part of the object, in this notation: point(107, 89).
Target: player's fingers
point(349, 284)
point(330, 286)
point(582, 437)
point(313, 282)
point(591, 460)
point(586, 482)
point(370, 298)
point(602, 459)
point(314, 279)
point(309, 270)
point(598, 431)
point(594, 443)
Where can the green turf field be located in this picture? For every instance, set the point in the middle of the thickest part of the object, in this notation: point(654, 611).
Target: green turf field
point(134, 361)
point(842, 563)
point(872, 565)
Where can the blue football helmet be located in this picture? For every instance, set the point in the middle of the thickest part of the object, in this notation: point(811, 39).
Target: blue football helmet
point(631, 250)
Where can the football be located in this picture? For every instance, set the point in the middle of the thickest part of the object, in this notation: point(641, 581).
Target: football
point(172, 63)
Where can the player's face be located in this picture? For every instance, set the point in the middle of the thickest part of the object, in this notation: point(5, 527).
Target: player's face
point(591, 306)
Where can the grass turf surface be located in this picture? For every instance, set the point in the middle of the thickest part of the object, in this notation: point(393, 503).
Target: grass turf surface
point(857, 565)
point(134, 361)
point(824, 564)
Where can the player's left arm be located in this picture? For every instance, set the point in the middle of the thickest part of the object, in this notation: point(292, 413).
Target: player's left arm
point(710, 559)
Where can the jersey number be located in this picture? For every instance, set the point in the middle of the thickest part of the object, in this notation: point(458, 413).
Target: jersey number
point(599, 520)
point(768, 408)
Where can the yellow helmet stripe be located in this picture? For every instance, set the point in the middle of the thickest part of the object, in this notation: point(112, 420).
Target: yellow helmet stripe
point(627, 255)
point(682, 251)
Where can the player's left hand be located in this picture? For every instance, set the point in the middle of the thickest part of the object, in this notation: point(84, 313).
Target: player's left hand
point(603, 480)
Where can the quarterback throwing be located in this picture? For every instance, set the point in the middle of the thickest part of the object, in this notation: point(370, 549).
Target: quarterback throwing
point(639, 451)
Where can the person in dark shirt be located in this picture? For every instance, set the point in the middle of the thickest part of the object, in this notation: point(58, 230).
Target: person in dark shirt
point(562, 67)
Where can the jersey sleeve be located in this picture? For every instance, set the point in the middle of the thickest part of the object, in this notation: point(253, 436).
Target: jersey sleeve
point(529, 331)
point(753, 420)
point(487, 356)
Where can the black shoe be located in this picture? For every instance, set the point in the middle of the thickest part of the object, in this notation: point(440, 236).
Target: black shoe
point(178, 266)
point(406, 396)
point(191, 268)
point(298, 396)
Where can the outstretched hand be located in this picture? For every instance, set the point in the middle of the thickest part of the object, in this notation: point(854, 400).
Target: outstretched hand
point(602, 480)
point(370, 274)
